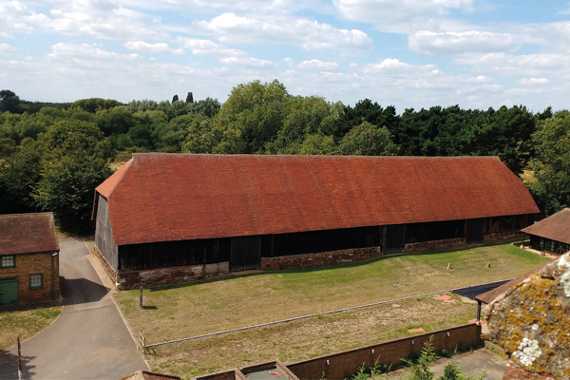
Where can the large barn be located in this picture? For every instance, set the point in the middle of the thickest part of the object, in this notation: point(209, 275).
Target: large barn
point(167, 218)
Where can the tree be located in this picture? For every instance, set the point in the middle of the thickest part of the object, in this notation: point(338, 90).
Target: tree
point(174, 99)
point(75, 160)
point(189, 98)
point(367, 140)
point(551, 164)
point(9, 101)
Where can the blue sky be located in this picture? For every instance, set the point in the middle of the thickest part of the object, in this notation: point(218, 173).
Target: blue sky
point(406, 53)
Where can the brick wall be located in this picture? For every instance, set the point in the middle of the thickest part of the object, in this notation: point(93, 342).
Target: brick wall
point(344, 364)
point(128, 280)
point(35, 263)
point(109, 271)
point(319, 259)
point(434, 244)
point(490, 238)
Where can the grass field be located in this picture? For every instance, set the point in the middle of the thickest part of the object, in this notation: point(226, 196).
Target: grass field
point(26, 323)
point(238, 301)
point(310, 338)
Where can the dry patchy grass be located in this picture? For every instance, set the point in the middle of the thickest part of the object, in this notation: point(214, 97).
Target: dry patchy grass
point(222, 304)
point(25, 323)
point(310, 338)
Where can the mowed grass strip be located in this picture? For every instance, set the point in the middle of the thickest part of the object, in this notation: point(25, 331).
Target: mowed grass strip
point(25, 323)
point(311, 338)
point(239, 301)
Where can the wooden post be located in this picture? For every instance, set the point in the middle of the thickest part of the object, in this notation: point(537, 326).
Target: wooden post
point(478, 311)
point(141, 297)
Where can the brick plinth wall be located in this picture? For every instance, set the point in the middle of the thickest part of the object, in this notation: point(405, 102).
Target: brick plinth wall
point(342, 365)
point(127, 280)
point(35, 263)
point(502, 236)
point(514, 372)
point(109, 271)
point(319, 259)
point(434, 244)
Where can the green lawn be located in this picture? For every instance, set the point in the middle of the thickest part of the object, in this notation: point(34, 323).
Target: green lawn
point(238, 301)
point(26, 323)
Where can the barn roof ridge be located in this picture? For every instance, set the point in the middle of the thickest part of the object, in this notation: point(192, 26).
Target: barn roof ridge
point(173, 197)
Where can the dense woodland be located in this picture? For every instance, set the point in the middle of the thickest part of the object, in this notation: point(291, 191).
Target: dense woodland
point(52, 156)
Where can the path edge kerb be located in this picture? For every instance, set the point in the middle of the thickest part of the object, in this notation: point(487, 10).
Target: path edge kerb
point(110, 291)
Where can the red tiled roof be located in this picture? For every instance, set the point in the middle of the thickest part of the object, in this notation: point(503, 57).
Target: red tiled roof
point(555, 227)
point(27, 233)
point(169, 197)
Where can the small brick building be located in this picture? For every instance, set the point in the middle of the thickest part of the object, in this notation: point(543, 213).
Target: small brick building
point(167, 218)
point(29, 259)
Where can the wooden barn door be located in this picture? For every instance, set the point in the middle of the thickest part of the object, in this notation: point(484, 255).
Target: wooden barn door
point(395, 238)
point(245, 253)
point(475, 230)
point(8, 291)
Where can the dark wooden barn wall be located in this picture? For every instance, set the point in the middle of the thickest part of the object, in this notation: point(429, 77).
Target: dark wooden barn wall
point(103, 233)
point(245, 252)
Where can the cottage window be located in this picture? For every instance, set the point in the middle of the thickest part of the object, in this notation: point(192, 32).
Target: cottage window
point(8, 261)
point(36, 281)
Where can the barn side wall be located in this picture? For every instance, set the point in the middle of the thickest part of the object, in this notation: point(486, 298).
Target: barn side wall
point(104, 235)
point(320, 259)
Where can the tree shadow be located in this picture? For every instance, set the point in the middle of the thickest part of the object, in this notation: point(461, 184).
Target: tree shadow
point(81, 290)
point(9, 365)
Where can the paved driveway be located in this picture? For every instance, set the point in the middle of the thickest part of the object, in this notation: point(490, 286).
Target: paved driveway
point(88, 341)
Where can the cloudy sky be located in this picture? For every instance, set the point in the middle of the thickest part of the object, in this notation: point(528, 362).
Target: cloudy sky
point(407, 53)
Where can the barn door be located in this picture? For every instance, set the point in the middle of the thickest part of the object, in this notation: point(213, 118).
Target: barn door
point(245, 253)
point(395, 238)
point(9, 291)
point(475, 230)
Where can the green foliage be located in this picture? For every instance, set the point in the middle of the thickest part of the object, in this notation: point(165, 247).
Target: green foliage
point(420, 366)
point(75, 160)
point(93, 105)
point(9, 101)
point(551, 164)
point(190, 98)
point(367, 140)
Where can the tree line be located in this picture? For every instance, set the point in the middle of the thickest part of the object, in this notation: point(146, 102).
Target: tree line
point(52, 156)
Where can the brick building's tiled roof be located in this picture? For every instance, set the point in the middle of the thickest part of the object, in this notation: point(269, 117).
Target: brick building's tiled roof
point(555, 227)
point(27, 233)
point(168, 197)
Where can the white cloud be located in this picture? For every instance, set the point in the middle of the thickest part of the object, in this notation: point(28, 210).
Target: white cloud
point(310, 34)
point(453, 43)
point(15, 17)
point(397, 11)
point(6, 49)
point(159, 47)
point(86, 55)
point(234, 57)
point(533, 81)
point(288, 61)
point(315, 64)
point(529, 65)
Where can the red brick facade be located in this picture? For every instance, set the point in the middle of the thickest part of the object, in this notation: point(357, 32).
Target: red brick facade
point(32, 264)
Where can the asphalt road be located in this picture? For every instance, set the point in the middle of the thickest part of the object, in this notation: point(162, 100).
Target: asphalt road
point(473, 291)
point(88, 341)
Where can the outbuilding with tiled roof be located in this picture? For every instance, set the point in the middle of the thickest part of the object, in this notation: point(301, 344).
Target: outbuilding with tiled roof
point(175, 217)
point(551, 234)
point(29, 259)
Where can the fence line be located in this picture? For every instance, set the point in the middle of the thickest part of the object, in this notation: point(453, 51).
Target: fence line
point(304, 317)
